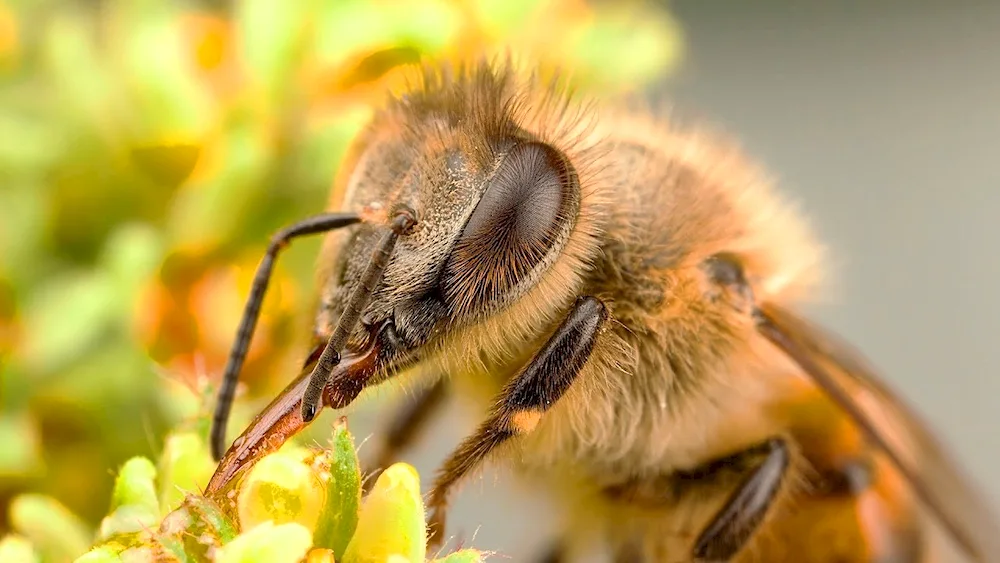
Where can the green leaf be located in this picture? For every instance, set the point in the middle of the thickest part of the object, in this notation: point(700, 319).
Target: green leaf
point(503, 16)
point(132, 255)
point(352, 27)
point(16, 549)
point(323, 148)
point(58, 534)
point(21, 451)
point(135, 485)
point(212, 516)
point(212, 210)
point(623, 48)
point(22, 230)
point(168, 105)
point(66, 317)
point(27, 143)
point(76, 68)
point(143, 554)
point(339, 517)
point(174, 546)
point(185, 466)
point(195, 529)
point(134, 505)
point(166, 164)
point(273, 37)
point(103, 554)
point(463, 556)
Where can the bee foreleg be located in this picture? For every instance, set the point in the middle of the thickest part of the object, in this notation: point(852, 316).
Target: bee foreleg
point(522, 402)
point(406, 427)
point(745, 509)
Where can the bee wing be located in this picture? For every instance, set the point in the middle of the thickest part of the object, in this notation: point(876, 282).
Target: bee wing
point(890, 424)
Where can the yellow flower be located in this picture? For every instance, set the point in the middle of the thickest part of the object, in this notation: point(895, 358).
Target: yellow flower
point(274, 543)
point(281, 488)
point(391, 522)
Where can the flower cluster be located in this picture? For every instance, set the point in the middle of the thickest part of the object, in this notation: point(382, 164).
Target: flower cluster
point(297, 504)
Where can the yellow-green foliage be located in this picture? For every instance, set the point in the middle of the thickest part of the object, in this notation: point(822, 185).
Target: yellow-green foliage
point(295, 504)
point(148, 149)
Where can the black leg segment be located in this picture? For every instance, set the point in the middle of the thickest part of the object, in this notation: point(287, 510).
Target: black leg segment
point(251, 312)
point(522, 402)
point(743, 512)
point(402, 223)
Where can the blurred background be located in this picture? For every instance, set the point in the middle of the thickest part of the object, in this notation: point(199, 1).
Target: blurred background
point(149, 148)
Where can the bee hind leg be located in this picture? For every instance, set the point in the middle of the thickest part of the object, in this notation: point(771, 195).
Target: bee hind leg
point(522, 402)
point(741, 515)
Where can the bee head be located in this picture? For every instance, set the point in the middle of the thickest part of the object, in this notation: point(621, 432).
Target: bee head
point(497, 191)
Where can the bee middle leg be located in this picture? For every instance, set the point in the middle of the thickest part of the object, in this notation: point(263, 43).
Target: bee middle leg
point(744, 510)
point(522, 402)
point(758, 471)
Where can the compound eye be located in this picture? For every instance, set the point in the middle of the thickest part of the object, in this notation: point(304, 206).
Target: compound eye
point(518, 219)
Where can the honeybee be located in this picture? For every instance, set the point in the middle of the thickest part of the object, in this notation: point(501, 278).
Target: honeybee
point(625, 289)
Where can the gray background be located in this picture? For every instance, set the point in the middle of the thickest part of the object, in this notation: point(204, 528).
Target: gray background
point(883, 120)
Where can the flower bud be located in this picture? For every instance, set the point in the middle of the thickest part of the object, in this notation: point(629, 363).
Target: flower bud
point(280, 488)
point(339, 518)
point(391, 521)
point(268, 543)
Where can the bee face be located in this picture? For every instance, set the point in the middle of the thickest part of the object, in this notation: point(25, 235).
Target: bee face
point(496, 206)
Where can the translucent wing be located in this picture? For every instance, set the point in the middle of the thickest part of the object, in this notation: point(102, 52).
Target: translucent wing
point(891, 425)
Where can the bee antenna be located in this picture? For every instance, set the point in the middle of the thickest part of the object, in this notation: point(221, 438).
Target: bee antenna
point(313, 225)
point(402, 223)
